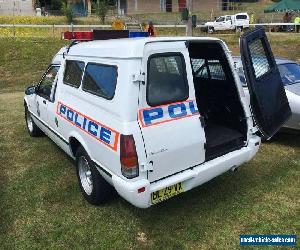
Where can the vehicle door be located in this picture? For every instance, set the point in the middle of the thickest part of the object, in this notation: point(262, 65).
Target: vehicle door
point(219, 23)
point(270, 106)
point(43, 93)
point(227, 24)
point(168, 116)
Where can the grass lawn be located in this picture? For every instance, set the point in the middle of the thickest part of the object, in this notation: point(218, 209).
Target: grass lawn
point(41, 205)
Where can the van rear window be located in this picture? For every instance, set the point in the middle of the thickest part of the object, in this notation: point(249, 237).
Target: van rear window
point(243, 17)
point(167, 80)
point(100, 79)
point(73, 73)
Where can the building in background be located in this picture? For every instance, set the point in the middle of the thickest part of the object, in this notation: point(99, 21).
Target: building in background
point(154, 6)
point(17, 7)
point(28, 7)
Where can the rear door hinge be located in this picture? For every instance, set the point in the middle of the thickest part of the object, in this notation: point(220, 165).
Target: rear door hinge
point(202, 121)
point(139, 78)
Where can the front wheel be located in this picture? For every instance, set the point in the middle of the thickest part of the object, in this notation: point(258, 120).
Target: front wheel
point(32, 128)
point(94, 187)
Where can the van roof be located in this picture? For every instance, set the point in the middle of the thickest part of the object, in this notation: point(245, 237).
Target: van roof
point(124, 47)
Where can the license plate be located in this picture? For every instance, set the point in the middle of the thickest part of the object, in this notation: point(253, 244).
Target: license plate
point(166, 193)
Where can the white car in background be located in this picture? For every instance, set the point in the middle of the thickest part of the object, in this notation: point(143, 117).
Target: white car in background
point(237, 21)
point(290, 75)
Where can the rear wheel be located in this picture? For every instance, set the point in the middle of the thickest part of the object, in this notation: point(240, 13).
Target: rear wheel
point(211, 30)
point(32, 128)
point(239, 29)
point(94, 187)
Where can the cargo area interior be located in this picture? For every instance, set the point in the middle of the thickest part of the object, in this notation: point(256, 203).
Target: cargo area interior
point(217, 98)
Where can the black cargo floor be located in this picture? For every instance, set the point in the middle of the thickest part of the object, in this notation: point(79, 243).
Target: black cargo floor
point(221, 140)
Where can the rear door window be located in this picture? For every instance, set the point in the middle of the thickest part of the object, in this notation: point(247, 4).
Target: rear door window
point(241, 17)
point(259, 58)
point(73, 73)
point(100, 79)
point(167, 80)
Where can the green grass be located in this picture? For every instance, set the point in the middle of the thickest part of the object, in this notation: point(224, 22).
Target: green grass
point(23, 61)
point(48, 20)
point(41, 205)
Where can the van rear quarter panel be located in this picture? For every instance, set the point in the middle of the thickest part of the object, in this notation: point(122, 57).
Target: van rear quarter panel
point(119, 115)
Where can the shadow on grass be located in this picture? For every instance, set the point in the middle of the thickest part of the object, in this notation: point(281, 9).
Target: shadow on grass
point(287, 138)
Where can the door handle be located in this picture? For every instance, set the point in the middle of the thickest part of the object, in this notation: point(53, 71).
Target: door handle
point(44, 101)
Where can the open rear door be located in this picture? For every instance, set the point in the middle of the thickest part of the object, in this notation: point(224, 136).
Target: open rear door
point(270, 106)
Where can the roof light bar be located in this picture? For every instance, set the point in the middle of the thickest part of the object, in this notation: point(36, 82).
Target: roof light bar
point(102, 35)
point(78, 35)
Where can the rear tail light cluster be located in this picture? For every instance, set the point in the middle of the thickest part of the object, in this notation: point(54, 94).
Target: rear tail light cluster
point(128, 157)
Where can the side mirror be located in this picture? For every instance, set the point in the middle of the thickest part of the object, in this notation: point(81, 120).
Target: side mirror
point(30, 90)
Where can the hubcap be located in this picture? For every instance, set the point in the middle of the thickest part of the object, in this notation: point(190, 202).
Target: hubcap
point(29, 121)
point(85, 175)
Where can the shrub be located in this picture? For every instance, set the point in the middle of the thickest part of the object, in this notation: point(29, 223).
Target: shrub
point(101, 9)
point(68, 12)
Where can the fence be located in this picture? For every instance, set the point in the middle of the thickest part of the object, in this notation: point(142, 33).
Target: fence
point(55, 31)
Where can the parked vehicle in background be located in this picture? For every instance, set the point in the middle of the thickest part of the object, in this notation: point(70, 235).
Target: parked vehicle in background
point(237, 22)
point(290, 75)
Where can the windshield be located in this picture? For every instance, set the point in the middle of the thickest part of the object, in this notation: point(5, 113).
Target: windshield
point(290, 73)
point(220, 19)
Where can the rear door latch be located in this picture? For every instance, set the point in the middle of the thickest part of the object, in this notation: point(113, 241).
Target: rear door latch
point(147, 167)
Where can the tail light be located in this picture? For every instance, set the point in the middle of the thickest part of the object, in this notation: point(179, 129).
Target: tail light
point(128, 157)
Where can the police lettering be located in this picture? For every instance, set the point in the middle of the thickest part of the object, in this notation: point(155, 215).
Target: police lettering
point(169, 112)
point(91, 127)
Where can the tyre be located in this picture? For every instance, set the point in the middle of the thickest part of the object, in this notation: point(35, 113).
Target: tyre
point(211, 30)
point(32, 128)
point(95, 189)
point(239, 29)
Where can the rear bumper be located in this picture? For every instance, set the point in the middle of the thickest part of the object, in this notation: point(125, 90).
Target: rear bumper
point(190, 178)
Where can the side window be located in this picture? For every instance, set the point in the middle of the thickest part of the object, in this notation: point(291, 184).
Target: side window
point(259, 58)
point(209, 69)
point(220, 19)
point(100, 80)
point(242, 77)
point(167, 80)
point(73, 73)
point(199, 67)
point(47, 81)
point(216, 70)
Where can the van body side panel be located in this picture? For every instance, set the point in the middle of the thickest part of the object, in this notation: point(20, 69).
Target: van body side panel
point(96, 122)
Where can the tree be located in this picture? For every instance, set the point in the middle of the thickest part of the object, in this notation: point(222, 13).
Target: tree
point(68, 12)
point(101, 9)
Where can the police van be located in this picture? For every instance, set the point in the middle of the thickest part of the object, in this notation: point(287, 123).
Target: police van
point(154, 117)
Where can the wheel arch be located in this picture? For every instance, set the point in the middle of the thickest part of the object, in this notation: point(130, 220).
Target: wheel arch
point(75, 141)
point(25, 102)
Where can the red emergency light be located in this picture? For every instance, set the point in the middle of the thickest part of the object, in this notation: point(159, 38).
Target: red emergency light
point(78, 35)
point(102, 35)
